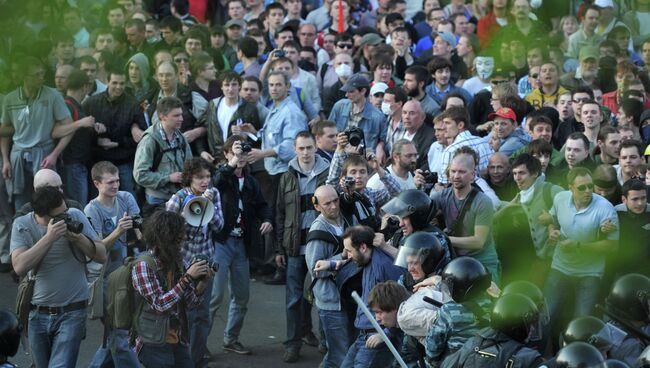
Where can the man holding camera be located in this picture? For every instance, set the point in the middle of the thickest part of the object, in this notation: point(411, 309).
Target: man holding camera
point(349, 175)
point(54, 241)
point(404, 158)
point(295, 214)
point(111, 216)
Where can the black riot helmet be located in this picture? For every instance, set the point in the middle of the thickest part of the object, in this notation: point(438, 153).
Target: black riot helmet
point(411, 203)
point(587, 329)
point(644, 359)
point(422, 247)
point(628, 297)
point(579, 355)
point(615, 363)
point(9, 333)
point(528, 289)
point(514, 315)
point(466, 278)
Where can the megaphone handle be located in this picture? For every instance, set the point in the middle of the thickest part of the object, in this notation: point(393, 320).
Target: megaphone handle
point(198, 228)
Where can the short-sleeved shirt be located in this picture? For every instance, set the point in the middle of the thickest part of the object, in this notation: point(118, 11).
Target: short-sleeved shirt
point(104, 221)
point(480, 213)
point(61, 278)
point(583, 226)
point(33, 119)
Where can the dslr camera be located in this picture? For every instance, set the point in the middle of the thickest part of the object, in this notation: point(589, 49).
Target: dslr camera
point(349, 182)
point(430, 177)
point(137, 221)
point(71, 224)
point(355, 136)
point(211, 263)
point(246, 147)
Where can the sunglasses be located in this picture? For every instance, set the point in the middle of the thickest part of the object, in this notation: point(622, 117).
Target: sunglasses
point(181, 60)
point(585, 187)
point(534, 76)
point(344, 45)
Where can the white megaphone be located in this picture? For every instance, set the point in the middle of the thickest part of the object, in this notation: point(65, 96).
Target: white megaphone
point(198, 211)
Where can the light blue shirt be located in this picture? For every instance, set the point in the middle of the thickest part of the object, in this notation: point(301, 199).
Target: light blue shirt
point(373, 122)
point(583, 226)
point(282, 125)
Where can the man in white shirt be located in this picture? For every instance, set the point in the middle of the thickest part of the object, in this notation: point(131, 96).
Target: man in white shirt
point(404, 157)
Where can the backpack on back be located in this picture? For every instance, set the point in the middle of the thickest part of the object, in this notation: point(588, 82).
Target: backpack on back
point(484, 352)
point(120, 306)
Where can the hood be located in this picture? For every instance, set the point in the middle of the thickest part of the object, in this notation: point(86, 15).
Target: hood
point(319, 166)
point(143, 64)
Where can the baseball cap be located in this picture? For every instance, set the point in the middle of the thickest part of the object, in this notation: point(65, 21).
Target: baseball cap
point(604, 3)
point(504, 112)
point(503, 72)
point(379, 87)
point(372, 39)
point(448, 37)
point(235, 23)
point(588, 52)
point(354, 82)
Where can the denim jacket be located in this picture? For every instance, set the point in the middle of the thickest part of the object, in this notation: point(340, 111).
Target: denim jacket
point(282, 125)
point(373, 122)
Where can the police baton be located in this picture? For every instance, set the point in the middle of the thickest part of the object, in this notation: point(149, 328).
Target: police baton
point(378, 328)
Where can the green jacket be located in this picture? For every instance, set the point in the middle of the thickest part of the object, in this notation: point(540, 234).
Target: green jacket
point(156, 180)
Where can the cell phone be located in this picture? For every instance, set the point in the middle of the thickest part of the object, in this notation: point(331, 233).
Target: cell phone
point(280, 53)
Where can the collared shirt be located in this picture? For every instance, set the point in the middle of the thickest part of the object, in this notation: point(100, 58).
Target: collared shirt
point(197, 240)
point(580, 39)
point(393, 134)
point(465, 138)
point(584, 226)
point(282, 124)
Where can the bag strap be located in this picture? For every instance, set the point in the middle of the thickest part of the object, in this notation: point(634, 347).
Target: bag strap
point(463, 211)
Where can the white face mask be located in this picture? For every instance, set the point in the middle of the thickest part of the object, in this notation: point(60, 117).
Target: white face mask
point(343, 71)
point(484, 67)
point(385, 108)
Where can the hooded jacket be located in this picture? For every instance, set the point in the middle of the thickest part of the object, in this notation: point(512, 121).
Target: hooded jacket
point(146, 86)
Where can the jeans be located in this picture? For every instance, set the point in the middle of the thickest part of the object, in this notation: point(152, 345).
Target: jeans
point(127, 183)
point(298, 309)
point(117, 352)
point(20, 199)
point(232, 260)
point(75, 177)
point(165, 356)
point(55, 339)
point(336, 327)
point(563, 290)
point(359, 356)
point(199, 321)
point(154, 201)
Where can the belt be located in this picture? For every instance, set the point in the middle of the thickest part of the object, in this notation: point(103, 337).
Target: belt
point(60, 310)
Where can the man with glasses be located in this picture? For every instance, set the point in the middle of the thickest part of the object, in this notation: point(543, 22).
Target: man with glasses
point(343, 43)
point(32, 116)
point(586, 74)
point(580, 248)
point(404, 158)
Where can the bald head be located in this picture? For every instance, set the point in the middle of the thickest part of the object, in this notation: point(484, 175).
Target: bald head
point(327, 202)
point(498, 168)
point(325, 191)
point(412, 115)
point(47, 178)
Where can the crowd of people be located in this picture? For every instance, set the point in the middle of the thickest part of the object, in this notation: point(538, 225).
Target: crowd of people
point(474, 170)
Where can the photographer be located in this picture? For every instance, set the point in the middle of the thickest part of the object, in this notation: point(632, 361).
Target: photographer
point(403, 157)
point(111, 216)
point(42, 240)
point(198, 242)
point(164, 295)
point(244, 208)
point(349, 175)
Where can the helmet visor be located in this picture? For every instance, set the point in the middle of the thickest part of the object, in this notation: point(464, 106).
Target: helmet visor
point(398, 207)
point(410, 257)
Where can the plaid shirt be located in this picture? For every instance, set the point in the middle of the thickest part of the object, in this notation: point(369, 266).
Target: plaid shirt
point(465, 138)
point(146, 283)
point(197, 240)
point(377, 197)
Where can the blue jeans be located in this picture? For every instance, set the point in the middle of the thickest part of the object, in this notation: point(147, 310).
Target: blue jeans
point(75, 177)
point(298, 309)
point(199, 321)
point(561, 289)
point(359, 356)
point(337, 335)
point(232, 260)
point(154, 201)
point(117, 352)
point(55, 339)
point(127, 183)
point(165, 356)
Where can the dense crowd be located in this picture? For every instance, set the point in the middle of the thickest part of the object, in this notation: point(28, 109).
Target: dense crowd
point(475, 171)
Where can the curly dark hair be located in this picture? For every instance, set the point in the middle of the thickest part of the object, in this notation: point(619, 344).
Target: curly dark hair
point(192, 167)
point(163, 232)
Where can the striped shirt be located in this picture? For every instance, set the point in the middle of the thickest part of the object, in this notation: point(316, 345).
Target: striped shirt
point(465, 138)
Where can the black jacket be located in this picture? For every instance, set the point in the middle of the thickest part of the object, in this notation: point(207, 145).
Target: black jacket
point(255, 211)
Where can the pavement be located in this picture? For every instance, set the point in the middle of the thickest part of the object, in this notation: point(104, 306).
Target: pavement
point(263, 332)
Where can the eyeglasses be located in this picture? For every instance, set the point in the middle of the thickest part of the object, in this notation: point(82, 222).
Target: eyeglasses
point(585, 187)
point(181, 60)
point(344, 45)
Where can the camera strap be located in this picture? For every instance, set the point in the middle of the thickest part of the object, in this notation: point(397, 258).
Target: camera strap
point(467, 203)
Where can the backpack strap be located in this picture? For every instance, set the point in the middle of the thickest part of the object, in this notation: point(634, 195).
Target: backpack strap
point(326, 237)
point(159, 152)
point(323, 71)
point(457, 225)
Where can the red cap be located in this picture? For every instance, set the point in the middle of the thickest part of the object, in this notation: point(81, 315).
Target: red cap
point(504, 112)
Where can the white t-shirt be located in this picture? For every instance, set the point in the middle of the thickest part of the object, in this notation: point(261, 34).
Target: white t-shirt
point(375, 183)
point(224, 114)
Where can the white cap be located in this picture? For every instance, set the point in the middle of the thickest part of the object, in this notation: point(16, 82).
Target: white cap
point(379, 87)
point(604, 3)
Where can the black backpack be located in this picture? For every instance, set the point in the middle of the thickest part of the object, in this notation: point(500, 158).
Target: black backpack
point(482, 351)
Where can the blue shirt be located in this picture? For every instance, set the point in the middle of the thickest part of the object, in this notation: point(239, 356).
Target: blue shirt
point(282, 125)
point(439, 95)
point(373, 122)
point(583, 226)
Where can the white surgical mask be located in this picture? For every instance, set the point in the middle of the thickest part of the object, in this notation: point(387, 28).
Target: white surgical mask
point(385, 108)
point(343, 70)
